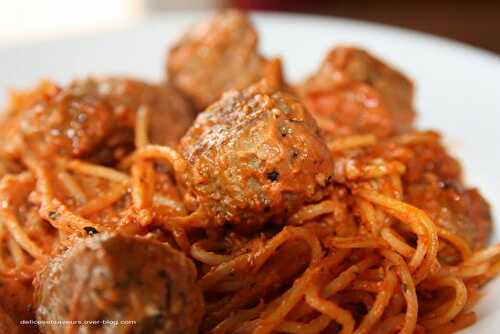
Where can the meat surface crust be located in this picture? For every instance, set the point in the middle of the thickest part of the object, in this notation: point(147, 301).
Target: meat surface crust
point(93, 117)
point(214, 56)
point(114, 277)
point(355, 93)
point(253, 156)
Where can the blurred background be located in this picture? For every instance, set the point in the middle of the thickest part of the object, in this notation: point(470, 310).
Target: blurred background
point(474, 22)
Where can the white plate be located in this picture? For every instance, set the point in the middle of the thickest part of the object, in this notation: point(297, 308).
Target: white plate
point(458, 86)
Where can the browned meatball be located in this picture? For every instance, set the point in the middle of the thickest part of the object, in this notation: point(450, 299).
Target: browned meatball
point(96, 116)
point(214, 56)
point(462, 211)
point(433, 183)
point(353, 92)
point(120, 278)
point(253, 156)
point(170, 113)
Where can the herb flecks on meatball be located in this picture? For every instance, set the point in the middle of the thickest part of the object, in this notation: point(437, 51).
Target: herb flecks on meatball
point(255, 155)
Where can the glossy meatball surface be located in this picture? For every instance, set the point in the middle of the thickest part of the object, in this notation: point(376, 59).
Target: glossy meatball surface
point(434, 183)
point(120, 278)
point(94, 117)
point(253, 156)
point(214, 56)
point(353, 92)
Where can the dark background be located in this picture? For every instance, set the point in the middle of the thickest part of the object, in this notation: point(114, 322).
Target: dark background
point(473, 22)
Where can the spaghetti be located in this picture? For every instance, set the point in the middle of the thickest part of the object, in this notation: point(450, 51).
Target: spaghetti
point(361, 258)
point(339, 263)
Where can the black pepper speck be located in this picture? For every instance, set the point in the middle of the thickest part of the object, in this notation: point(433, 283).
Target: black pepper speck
point(90, 230)
point(273, 176)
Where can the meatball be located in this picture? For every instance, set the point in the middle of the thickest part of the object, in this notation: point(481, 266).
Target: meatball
point(253, 156)
point(450, 205)
point(170, 113)
point(433, 183)
point(354, 93)
point(214, 56)
point(120, 278)
point(96, 117)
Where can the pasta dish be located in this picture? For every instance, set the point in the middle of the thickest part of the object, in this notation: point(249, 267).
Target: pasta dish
point(227, 199)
